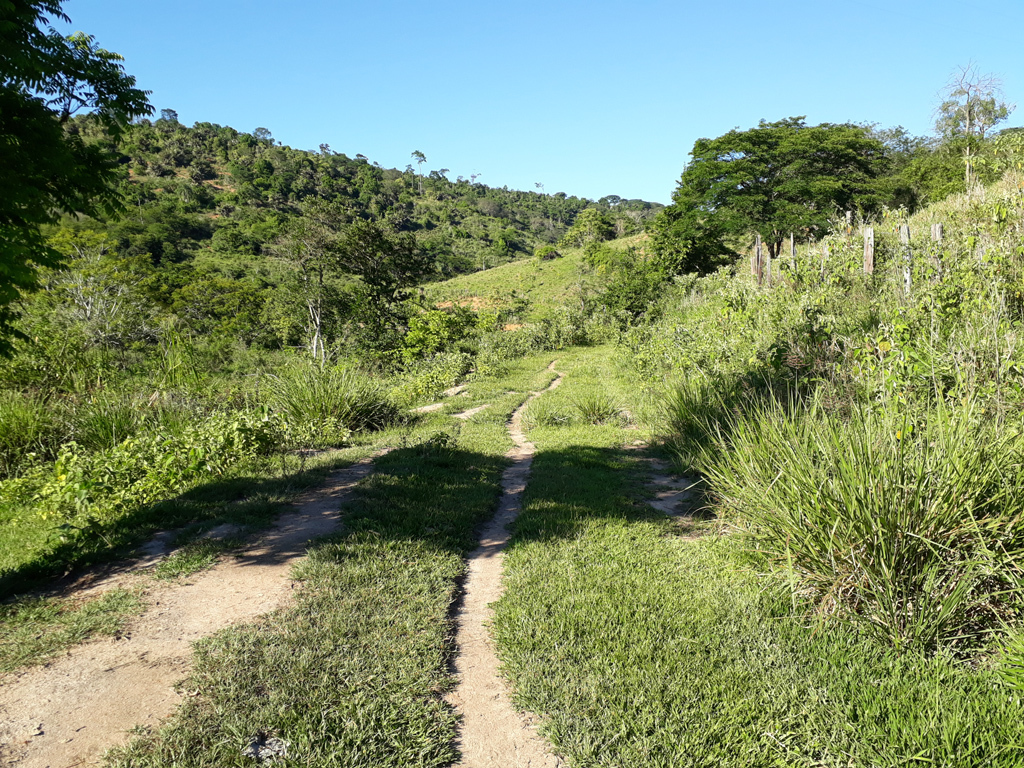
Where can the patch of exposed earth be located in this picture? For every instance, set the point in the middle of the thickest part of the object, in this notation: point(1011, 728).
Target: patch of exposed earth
point(492, 733)
point(71, 710)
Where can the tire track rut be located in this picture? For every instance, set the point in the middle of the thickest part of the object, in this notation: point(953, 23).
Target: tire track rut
point(492, 733)
point(70, 711)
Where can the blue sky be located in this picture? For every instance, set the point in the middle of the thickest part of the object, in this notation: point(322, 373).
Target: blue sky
point(587, 98)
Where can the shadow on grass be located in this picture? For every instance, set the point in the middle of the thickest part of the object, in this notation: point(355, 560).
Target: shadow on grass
point(421, 492)
point(574, 485)
point(250, 501)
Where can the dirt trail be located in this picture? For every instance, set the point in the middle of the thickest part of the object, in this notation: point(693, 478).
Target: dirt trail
point(493, 734)
point(675, 496)
point(70, 711)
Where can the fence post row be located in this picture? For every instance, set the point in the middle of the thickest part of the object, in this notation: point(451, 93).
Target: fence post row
point(936, 253)
point(761, 267)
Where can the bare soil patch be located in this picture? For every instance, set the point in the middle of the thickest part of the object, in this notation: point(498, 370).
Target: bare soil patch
point(69, 712)
point(492, 733)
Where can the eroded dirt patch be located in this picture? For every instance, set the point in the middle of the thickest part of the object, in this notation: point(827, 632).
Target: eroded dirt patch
point(492, 733)
point(68, 712)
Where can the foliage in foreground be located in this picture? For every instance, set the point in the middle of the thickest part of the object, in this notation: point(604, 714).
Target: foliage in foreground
point(864, 437)
point(911, 530)
point(326, 404)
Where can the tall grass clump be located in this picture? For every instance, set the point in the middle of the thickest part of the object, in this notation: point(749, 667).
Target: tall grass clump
point(27, 425)
point(106, 421)
point(913, 531)
point(596, 408)
point(326, 404)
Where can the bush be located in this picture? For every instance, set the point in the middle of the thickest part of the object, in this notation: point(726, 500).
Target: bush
point(83, 488)
point(321, 401)
point(910, 531)
point(427, 379)
point(437, 330)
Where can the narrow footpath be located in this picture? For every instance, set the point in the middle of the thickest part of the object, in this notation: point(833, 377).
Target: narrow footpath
point(70, 711)
point(492, 733)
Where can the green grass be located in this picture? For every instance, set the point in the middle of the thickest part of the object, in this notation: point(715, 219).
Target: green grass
point(547, 284)
point(354, 672)
point(329, 400)
point(640, 647)
point(192, 558)
point(909, 530)
point(33, 630)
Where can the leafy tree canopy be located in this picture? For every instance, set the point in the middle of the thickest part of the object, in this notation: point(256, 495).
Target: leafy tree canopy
point(46, 170)
point(774, 179)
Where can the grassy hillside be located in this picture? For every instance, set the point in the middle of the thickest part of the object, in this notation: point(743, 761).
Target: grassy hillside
point(545, 284)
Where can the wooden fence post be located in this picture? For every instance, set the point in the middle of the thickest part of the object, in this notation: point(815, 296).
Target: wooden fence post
point(824, 258)
point(849, 223)
point(792, 252)
point(869, 250)
point(759, 261)
point(937, 251)
point(905, 239)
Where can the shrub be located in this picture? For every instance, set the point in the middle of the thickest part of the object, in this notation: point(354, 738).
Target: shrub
point(317, 401)
point(910, 531)
point(83, 488)
point(427, 379)
point(437, 330)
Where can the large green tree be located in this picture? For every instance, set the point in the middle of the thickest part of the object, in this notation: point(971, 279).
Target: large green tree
point(774, 179)
point(45, 169)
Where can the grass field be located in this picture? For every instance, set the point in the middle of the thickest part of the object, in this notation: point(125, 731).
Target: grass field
point(547, 284)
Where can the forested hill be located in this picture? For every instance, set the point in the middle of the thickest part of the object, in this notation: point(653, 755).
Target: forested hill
point(214, 189)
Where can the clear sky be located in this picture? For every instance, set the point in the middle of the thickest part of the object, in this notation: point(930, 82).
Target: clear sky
point(588, 98)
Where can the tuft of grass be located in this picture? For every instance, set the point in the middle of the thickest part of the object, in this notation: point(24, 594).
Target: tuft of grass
point(545, 413)
point(910, 531)
point(105, 422)
point(33, 630)
point(596, 408)
point(28, 424)
point(191, 558)
point(331, 400)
